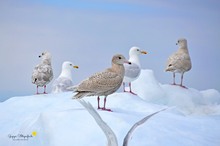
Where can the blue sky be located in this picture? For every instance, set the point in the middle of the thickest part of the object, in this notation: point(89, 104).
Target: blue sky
point(89, 33)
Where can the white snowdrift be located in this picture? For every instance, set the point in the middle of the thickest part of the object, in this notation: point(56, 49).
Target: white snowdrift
point(189, 101)
point(192, 117)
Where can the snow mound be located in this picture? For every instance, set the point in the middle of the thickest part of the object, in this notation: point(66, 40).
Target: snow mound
point(192, 117)
point(188, 101)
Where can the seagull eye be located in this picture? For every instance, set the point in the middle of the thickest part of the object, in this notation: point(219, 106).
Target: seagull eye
point(70, 64)
point(138, 50)
point(119, 57)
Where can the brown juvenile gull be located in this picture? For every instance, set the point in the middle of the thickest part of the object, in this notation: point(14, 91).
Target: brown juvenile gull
point(65, 78)
point(103, 83)
point(133, 70)
point(43, 72)
point(180, 61)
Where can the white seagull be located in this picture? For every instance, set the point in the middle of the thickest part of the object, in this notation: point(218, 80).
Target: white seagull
point(132, 71)
point(65, 78)
point(180, 61)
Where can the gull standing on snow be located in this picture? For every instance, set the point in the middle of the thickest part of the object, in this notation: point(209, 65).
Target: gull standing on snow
point(180, 61)
point(102, 83)
point(65, 78)
point(43, 72)
point(132, 71)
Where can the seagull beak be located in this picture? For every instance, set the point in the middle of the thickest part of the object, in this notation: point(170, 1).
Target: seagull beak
point(128, 62)
point(75, 66)
point(143, 52)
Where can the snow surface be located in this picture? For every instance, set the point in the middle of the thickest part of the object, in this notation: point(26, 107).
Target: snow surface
point(192, 117)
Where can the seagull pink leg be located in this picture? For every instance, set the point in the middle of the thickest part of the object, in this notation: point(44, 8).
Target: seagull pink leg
point(37, 90)
point(130, 89)
point(105, 104)
point(124, 86)
point(45, 89)
point(181, 84)
point(174, 83)
point(98, 99)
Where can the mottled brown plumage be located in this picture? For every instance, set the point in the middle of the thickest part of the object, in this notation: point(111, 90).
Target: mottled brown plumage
point(103, 83)
point(180, 61)
point(43, 72)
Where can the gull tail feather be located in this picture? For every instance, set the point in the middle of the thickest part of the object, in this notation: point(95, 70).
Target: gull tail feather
point(72, 88)
point(79, 95)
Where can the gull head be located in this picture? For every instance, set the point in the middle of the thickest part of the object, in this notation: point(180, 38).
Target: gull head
point(136, 51)
point(119, 59)
point(45, 55)
point(69, 65)
point(181, 42)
